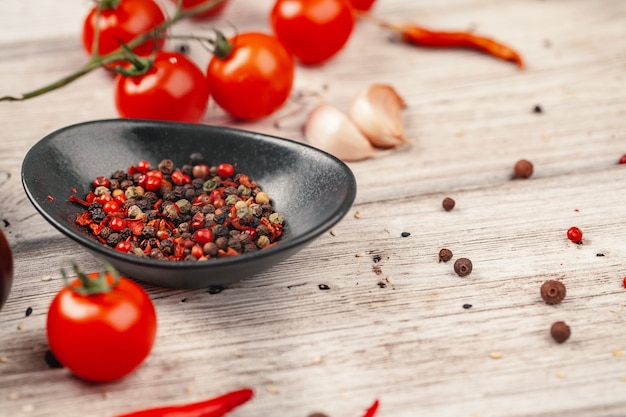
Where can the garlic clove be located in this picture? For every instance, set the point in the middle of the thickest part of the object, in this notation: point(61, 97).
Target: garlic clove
point(329, 129)
point(377, 113)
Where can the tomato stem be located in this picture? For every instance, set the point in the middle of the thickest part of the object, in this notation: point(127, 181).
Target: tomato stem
point(120, 53)
point(92, 286)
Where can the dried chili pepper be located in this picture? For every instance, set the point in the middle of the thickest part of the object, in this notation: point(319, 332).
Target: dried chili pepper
point(214, 407)
point(420, 36)
point(371, 412)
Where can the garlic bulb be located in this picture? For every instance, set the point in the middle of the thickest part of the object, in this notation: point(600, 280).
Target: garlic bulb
point(329, 129)
point(377, 113)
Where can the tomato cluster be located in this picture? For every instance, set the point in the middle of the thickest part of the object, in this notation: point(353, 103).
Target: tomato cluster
point(249, 76)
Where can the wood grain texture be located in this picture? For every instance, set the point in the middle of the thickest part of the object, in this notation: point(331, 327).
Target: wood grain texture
point(392, 323)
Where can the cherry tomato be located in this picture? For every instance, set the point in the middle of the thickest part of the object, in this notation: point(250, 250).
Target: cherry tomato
point(255, 79)
point(362, 5)
point(101, 334)
point(312, 30)
point(173, 89)
point(213, 12)
point(122, 23)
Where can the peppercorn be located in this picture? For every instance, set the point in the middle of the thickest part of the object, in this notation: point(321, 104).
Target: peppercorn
point(537, 109)
point(463, 267)
point(553, 292)
point(405, 234)
point(448, 203)
point(445, 255)
point(560, 331)
point(523, 169)
point(159, 220)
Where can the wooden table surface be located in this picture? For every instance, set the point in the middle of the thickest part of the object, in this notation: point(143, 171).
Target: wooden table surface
point(392, 325)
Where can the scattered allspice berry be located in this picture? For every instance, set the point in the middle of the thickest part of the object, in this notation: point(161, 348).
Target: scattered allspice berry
point(463, 267)
point(560, 331)
point(553, 292)
point(445, 255)
point(448, 203)
point(523, 169)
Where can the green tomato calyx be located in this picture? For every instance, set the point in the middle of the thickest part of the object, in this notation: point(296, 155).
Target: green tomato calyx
point(92, 286)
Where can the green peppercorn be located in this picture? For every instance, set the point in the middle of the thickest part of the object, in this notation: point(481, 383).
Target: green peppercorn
point(231, 200)
point(134, 192)
point(243, 190)
point(276, 218)
point(134, 211)
point(184, 205)
point(101, 190)
point(262, 198)
point(262, 241)
point(170, 212)
point(243, 212)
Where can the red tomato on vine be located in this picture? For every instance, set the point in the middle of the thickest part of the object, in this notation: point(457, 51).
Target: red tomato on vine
point(173, 89)
point(211, 13)
point(101, 326)
point(122, 21)
point(254, 78)
point(312, 30)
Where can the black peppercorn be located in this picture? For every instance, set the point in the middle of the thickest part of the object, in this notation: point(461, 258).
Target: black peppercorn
point(553, 292)
point(448, 204)
point(405, 234)
point(560, 331)
point(445, 255)
point(463, 267)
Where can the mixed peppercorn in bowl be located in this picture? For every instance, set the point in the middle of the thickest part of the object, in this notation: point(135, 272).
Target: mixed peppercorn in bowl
point(185, 205)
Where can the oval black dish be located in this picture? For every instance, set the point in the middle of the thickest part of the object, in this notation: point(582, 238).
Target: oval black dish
point(310, 188)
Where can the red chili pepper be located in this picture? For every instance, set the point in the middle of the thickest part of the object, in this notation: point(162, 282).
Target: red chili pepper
point(214, 407)
point(421, 36)
point(371, 412)
point(77, 200)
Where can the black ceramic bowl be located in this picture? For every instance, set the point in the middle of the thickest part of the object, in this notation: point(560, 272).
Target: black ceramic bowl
point(310, 188)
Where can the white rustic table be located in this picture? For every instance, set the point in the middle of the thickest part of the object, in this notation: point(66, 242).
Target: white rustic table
point(392, 325)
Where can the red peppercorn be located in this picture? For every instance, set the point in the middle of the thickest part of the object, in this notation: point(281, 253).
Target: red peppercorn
point(575, 234)
point(124, 246)
point(225, 170)
point(117, 224)
point(203, 236)
point(101, 181)
point(178, 177)
point(624, 282)
point(153, 183)
point(120, 199)
point(197, 251)
point(622, 160)
point(111, 207)
point(103, 198)
point(201, 171)
point(143, 166)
